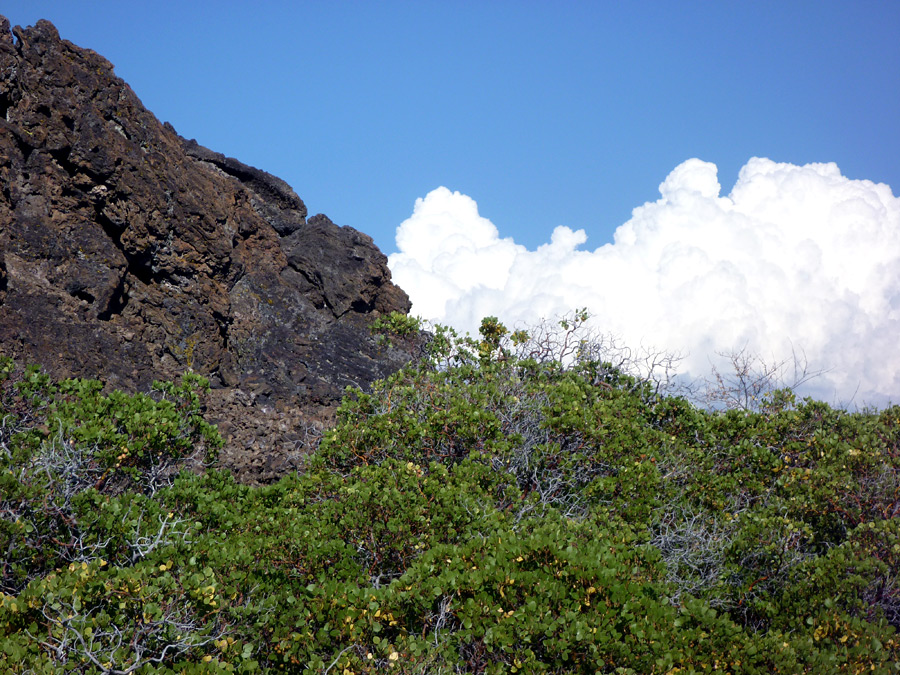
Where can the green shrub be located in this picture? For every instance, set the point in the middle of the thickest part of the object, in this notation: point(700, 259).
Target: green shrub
point(525, 501)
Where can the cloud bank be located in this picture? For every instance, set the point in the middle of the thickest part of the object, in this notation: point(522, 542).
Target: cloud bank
point(795, 257)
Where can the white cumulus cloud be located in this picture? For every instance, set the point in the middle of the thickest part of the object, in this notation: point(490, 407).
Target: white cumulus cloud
point(794, 258)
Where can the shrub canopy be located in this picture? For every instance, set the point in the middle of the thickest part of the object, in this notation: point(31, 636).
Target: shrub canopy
point(510, 503)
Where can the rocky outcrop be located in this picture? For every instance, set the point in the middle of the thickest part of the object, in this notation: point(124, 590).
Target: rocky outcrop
point(130, 254)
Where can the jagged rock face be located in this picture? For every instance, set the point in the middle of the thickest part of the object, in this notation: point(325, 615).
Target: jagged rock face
point(130, 254)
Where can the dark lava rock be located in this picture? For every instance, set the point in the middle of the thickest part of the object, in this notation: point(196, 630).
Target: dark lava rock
point(130, 254)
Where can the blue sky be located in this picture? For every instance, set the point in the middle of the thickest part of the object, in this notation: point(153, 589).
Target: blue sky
point(523, 159)
point(563, 113)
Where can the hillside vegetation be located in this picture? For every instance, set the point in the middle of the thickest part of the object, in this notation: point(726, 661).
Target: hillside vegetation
point(511, 503)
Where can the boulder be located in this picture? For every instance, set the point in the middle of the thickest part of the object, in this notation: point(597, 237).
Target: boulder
point(130, 254)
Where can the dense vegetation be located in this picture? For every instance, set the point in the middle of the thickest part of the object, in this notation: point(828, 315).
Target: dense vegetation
point(512, 503)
